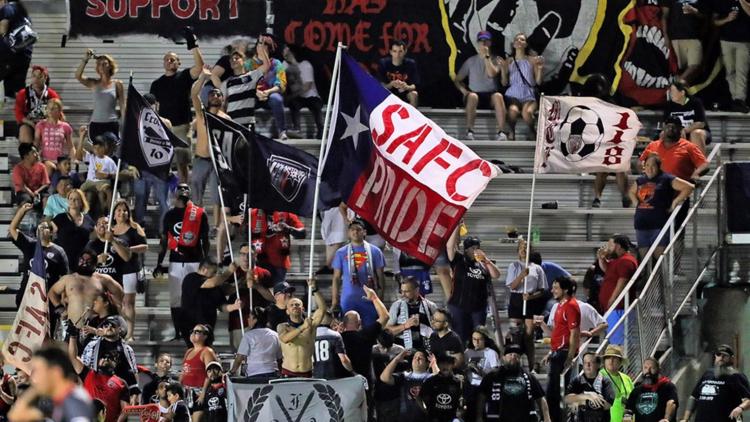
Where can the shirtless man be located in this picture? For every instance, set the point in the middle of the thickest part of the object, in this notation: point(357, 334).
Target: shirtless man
point(77, 291)
point(298, 336)
point(203, 169)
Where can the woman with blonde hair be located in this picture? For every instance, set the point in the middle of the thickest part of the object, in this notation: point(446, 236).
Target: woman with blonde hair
point(108, 93)
point(53, 136)
point(126, 232)
point(73, 227)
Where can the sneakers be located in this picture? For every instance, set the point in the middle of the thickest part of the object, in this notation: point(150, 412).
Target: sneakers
point(596, 203)
point(283, 136)
point(469, 135)
point(501, 136)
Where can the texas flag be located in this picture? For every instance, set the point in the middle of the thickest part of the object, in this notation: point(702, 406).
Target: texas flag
point(396, 168)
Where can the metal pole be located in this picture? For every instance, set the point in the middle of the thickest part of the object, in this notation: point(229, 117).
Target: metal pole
point(251, 266)
point(223, 215)
point(323, 141)
point(539, 135)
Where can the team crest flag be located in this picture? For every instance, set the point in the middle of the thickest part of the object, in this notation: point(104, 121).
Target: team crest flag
point(31, 325)
point(276, 176)
point(583, 135)
point(396, 168)
point(148, 144)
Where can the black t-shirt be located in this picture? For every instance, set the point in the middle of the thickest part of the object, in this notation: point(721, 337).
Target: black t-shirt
point(690, 112)
point(681, 26)
point(470, 283)
point(441, 395)
point(56, 260)
point(276, 316)
point(655, 198)
point(112, 265)
point(359, 348)
point(649, 403)
point(717, 396)
point(129, 238)
point(448, 344)
point(180, 412)
point(173, 94)
point(409, 385)
point(216, 403)
point(71, 237)
point(173, 224)
point(602, 386)
point(510, 395)
point(737, 30)
point(15, 18)
point(328, 346)
point(201, 304)
point(383, 391)
point(149, 390)
point(406, 72)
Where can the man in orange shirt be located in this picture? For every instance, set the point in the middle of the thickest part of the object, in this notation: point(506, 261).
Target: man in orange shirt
point(678, 156)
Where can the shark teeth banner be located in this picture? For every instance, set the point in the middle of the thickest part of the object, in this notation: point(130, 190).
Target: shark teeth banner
point(298, 400)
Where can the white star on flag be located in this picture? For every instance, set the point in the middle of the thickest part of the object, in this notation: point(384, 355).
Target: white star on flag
point(354, 127)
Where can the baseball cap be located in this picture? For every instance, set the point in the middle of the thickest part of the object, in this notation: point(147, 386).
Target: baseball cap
point(283, 287)
point(471, 241)
point(484, 36)
point(725, 348)
point(513, 348)
point(214, 363)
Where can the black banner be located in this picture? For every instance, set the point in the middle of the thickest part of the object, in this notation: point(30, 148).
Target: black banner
point(210, 18)
point(147, 143)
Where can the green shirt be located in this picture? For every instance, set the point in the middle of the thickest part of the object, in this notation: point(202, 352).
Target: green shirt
point(623, 385)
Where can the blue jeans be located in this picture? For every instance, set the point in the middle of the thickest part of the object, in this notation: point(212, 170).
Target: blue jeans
point(142, 189)
point(276, 103)
point(464, 322)
point(618, 337)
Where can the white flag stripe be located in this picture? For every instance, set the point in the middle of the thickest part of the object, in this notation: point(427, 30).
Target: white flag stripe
point(30, 326)
point(584, 134)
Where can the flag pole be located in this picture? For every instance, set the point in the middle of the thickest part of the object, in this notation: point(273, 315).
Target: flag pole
point(539, 135)
point(323, 141)
point(117, 175)
point(251, 265)
point(223, 214)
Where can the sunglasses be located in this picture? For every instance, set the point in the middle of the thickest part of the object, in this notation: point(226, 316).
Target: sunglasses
point(199, 332)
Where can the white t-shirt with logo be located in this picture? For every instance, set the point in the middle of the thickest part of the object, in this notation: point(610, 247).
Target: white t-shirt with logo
point(101, 165)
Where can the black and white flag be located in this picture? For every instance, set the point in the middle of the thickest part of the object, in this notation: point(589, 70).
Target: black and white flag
point(147, 143)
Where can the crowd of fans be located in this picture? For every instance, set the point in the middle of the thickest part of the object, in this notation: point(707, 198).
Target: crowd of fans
point(428, 360)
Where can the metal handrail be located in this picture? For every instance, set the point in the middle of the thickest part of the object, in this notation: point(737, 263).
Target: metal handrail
point(645, 262)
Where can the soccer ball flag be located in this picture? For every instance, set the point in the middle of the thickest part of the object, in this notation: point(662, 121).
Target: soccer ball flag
point(584, 134)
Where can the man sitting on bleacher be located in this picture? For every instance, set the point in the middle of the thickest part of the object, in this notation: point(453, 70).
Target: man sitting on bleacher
point(30, 180)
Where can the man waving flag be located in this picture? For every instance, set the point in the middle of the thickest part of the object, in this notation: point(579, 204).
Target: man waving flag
point(396, 168)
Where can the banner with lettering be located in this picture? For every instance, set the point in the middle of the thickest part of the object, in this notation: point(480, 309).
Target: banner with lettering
point(209, 18)
point(583, 135)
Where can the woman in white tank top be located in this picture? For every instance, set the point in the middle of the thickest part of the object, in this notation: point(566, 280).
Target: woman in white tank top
point(108, 94)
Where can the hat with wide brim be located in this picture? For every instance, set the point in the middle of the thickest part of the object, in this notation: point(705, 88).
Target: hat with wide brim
point(615, 352)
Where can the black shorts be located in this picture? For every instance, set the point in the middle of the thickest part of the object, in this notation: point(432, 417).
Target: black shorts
point(485, 100)
point(533, 307)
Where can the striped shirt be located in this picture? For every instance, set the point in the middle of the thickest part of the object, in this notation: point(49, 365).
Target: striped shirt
point(239, 92)
point(519, 89)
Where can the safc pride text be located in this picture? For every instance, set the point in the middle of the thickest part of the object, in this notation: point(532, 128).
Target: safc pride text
point(421, 181)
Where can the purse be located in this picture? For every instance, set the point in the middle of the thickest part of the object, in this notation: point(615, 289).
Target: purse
point(21, 37)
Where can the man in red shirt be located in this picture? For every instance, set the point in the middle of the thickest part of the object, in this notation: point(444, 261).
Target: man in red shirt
point(271, 240)
point(566, 337)
point(618, 266)
point(30, 179)
point(101, 384)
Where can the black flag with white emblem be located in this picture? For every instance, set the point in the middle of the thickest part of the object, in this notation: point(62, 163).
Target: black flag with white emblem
point(147, 143)
point(276, 176)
